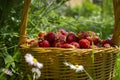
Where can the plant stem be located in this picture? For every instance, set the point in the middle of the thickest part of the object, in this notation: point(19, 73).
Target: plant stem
point(88, 75)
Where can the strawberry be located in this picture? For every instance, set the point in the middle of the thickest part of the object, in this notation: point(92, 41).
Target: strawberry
point(90, 33)
point(41, 34)
point(57, 43)
point(66, 45)
point(106, 45)
point(84, 43)
point(90, 39)
point(96, 40)
point(81, 35)
point(62, 31)
point(106, 41)
point(30, 41)
point(50, 36)
point(84, 35)
point(75, 44)
point(44, 43)
point(61, 37)
point(34, 43)
point(71, 37)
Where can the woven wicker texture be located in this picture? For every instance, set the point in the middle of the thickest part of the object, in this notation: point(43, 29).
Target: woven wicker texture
point(101, 68)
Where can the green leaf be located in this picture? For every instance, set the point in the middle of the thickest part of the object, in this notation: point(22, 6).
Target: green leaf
point(9, 60)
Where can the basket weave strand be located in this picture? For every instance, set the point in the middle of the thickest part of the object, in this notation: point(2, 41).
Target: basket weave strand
point(101, 67)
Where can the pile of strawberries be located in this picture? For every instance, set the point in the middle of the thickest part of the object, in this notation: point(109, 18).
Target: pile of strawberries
point(64, 39)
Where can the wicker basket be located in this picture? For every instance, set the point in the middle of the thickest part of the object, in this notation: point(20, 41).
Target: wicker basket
point(100, 69)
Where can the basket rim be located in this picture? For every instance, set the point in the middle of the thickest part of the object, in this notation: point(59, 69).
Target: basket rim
point(28, 47)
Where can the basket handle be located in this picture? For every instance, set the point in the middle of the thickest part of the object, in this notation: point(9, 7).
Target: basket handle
point(116, 32)
point(24, 20)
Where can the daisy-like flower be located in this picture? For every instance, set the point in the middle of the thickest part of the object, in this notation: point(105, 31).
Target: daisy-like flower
point(39, 65)
point(6, 71)
point(66, 63)
point(29, 59)
point(33, 61)
point(77, 68)
point(36, 72)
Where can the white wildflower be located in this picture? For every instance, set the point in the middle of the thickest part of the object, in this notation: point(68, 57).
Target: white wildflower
point(6, 71)
point(39, 65)
point(29, 59)
point(33, 61)
point(72, 67)
point(77, 68)
point(66, 63)
point(37, 73)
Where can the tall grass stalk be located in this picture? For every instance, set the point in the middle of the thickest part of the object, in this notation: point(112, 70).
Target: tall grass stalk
point(88, 75)
point(92, 56)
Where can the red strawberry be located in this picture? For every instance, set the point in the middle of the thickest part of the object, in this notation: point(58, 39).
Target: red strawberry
point(66, 45)
point(81, 35)
point(50, 36)
point(106, 45)
point(90, 33)
point(96, 40)
point(84, 35)
point(71, 37)
point(106, 41)
point(84, 43)
point(33, 43)
point(90, 39)
point(30, 41)
point(57, 43)
point(44, 43)
point(62, 31)
point(61, 37)
point(41, 34)
point(75, 44)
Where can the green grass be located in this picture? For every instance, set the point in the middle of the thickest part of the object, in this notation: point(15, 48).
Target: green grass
point(117, 68)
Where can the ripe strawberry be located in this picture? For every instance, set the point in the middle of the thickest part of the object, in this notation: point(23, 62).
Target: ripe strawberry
point(33, 43)
point(106, 45)
point(71, 37)
point(84, 43)
point(66, 45)
point(75, 44)
point(96, 40)
point(62, 31)
point(57, 43)
point(106, 42)
point(44, 43)
point(81, 35)
point(30, 41)
point(41, 34)
point(90, 33)
point(90, 39)
point(61, 37)
point(50, 36)
point(84, 35)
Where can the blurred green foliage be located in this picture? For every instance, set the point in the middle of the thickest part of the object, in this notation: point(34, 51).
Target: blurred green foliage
point(88, 16)
point(10, 14)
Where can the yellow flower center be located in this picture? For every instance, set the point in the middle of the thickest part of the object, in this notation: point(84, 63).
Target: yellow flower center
point(77, 66)
point(35, 60)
